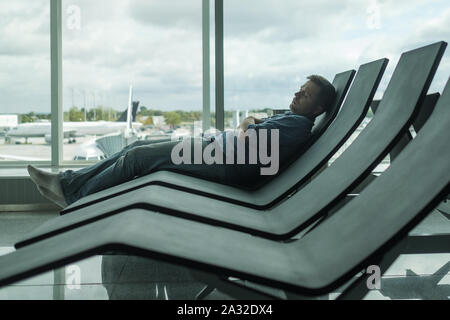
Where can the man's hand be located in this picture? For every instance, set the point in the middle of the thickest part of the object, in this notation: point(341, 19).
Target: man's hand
point(244, 126)
point(248, 121)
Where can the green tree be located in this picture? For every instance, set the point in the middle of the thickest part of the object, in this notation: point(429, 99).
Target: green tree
point(172, 118)
point(76, 115)
point(24, 118)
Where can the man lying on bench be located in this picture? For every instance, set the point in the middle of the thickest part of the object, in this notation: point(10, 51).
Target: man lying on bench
point(289, 131)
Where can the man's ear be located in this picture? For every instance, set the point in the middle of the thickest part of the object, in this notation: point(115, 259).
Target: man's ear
point(320, 110)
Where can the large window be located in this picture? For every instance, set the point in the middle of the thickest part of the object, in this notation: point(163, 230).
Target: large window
point(108, 46)
point(271, 47)
point(25, 80)
point(156, 47)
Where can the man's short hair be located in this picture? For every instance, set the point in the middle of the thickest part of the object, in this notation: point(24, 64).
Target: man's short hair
point(327, 91)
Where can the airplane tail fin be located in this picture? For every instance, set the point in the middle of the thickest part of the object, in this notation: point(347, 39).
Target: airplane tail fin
point(410, 273)
point(124, 115)
point(129, 116)
point(135, 109)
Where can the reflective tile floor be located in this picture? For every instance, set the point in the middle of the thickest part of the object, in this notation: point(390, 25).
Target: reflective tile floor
point(121, 277)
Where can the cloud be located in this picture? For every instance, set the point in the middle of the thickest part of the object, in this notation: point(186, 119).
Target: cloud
point(437, 27)
point(167, 14)
point(24, 56)
point(32, 24)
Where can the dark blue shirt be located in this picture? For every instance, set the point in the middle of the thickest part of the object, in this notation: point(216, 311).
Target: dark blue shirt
point(294, 132)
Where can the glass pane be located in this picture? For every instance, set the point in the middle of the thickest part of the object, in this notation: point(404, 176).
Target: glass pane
point(108, 46)
point(271, 48)
point(25, 80)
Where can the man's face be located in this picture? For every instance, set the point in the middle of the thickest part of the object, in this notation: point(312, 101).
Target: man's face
point(306, 101)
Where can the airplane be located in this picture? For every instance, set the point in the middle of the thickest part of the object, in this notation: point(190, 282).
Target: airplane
point(71, 130)
point(89, 150)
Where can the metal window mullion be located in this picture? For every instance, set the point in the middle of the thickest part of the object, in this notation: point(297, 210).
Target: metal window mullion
point(206, 66)
point(56, 81)
point(220, 103)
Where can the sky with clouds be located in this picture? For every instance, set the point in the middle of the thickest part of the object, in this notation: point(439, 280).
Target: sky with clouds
point(270, 48)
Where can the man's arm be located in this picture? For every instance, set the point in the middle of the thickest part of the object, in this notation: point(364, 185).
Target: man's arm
point(250, 120)
point(245, 124)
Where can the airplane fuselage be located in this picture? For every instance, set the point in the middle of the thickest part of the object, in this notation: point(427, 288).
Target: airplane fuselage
point(94, 128)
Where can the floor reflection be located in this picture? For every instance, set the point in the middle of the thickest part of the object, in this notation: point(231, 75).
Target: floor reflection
point(414, 286)
point(123, 277)
point(141, 278)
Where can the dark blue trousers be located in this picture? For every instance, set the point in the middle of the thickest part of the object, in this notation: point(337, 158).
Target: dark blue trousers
point(137, 160)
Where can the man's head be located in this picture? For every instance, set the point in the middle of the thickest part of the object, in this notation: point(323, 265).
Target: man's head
point(314, 98)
